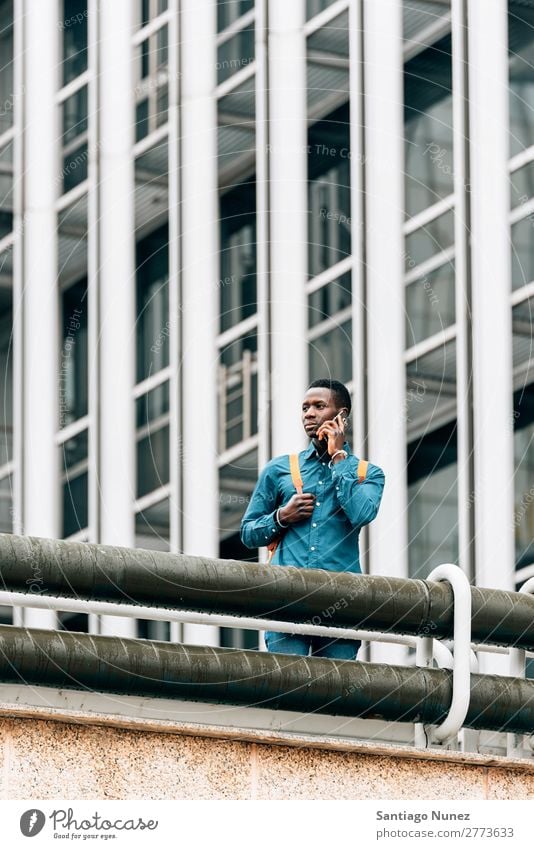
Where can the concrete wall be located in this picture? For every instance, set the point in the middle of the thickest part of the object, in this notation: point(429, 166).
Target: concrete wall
point(43, 759)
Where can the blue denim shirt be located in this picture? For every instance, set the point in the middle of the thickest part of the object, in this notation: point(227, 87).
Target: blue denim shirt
point(329, 538)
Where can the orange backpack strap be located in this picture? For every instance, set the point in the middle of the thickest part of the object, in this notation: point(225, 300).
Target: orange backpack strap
point(294, 468)
point(295, 472)
point(362, 470)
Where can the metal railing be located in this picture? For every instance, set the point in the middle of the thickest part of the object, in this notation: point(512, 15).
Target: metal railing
point(178, 588)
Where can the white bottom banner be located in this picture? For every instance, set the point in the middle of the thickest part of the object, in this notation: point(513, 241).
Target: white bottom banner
point(268, 824)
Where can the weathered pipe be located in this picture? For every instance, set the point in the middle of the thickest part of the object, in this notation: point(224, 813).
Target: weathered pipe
point(257, 679)
point(182, 582)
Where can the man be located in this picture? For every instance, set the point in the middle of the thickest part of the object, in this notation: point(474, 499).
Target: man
point(318, 528)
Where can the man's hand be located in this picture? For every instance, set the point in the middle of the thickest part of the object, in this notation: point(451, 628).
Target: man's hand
point(334, 431)
point(298, 508)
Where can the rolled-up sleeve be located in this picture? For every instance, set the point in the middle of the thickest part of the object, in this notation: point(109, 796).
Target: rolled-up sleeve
point(359, 501)
point(258, 526)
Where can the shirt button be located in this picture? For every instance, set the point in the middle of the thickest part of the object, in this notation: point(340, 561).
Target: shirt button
point(318, 503)
point(312, 548)
point(321, 483)
point(337, 488)
point(314, 525)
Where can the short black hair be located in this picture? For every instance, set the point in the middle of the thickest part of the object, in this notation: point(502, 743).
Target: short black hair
point(338, 389)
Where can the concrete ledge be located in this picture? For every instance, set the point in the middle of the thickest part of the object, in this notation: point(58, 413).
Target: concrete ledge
point(55, 754)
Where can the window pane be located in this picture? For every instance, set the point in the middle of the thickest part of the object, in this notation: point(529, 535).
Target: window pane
point(6, 190)
point(329, 300)
point(236, 483)
point(73, 380)
point(431, 390)
point(430, 304)
point(75, 115)
point(523, 344)
point(522, 185)
point(235, 53)
point(75, 504)
point(153, 461)
point(524, 467)
point(152, 527)
point(74, 451)
point(153, 326)
point(6, 65)
point(6, 376)
point(330, 355)
point(152, 405)
point(313, 7)
point(521, 47)
point(6, 506)
point(237, 133)
point(238, 391)
point(328, 67)
point(74, 29)
point(429, 240)
point(237, 284)
point(523, 252)
point(433, 501)
point(428, 126)
point(229, 11)
point(75, 166)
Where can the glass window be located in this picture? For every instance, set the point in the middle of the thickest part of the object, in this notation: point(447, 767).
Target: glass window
point(428, 127)
point(75, 484)
point(237, 134)
point(151, 92)
point(73, 380)
point(235, 53)
point(6, 376)
point(431, 390)
point(69, 621)
point(152, 527)
point(313, 7)
point(6, 190)
point(522, 185)
point(153, 325)
point(6, 65)
point(6, 505)
point(523, 252)
point(238, 391)
point(521, 49)
point(153, 460)
point(430, 304)
point(329, 300)
point(74, 29)
point(229, 11)
point(149, 629)
point(523, 344)
point(236, 483)
point(330, 354)
point(328, 67)
point(149, 9)
point(524, 475)
point(429, 240)
point(237, 284)
point(152, 421)
point(329, 221)
point(75, 150)
point(433, 501)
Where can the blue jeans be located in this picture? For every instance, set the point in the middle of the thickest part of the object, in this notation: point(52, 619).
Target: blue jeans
point(320, 646)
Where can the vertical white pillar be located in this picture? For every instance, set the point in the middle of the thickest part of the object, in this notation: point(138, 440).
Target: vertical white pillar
point(200, 306)
point(41, 483)
point(288, 174)
point(117, 285)
point(385, 289)
point(491, 287)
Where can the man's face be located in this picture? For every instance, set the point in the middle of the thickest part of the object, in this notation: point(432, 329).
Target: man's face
point(318, 406)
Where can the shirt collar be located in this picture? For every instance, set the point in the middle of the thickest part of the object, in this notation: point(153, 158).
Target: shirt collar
point(311, 453)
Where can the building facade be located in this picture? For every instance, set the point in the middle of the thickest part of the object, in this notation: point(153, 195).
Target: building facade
point(205, 205)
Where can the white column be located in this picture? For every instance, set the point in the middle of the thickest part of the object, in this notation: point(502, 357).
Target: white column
point(117, 286)
point(385, 290)
point(41, 482)
point(289, 239)
point(491, 287)
point(200, 304)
